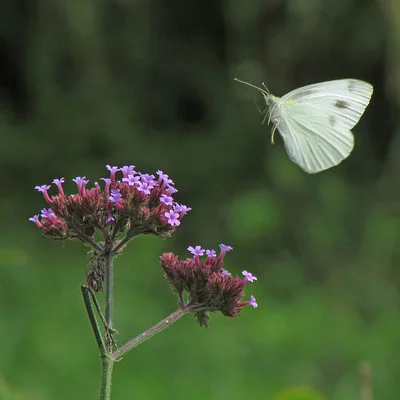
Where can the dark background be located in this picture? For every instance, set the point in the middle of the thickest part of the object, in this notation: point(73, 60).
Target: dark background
point(85, 83)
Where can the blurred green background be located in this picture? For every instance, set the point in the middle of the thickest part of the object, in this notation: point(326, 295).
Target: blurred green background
point(84, 83)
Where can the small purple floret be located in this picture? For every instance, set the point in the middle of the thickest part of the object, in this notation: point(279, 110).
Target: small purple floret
point(35, 219)
point(47, 213)
point(173, 217)
point(170, 190)
point(108, 183)
point(249, 276)
point(197, 251)
point(225, 272)
point(211, 253)
point(81, 183)
point(253, 302)
point(131, 180)
point(143, 187)
point(44, 189)
point(167, 200)
point(128, 170)
point(58, 183)
point(115, 195)
point(113, 170)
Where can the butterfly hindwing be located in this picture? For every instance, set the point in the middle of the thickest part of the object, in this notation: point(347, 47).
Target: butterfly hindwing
point(315, 121)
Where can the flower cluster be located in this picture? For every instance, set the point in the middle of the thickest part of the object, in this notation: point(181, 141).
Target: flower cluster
point(136, 203)
point(208, 286)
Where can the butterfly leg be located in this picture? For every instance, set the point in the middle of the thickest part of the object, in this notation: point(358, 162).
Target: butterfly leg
point(273, 134)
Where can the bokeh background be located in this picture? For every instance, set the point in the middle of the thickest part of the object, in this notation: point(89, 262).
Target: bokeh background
point(84, 83)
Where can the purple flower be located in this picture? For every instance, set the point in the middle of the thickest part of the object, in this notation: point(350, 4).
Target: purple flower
point(131, 180)
point(161, 176)
point(180, 208)
point(167, 200)
point(113, 170)
point(224, 248)
point(143, 188)
point(197, 251)
point(58, 183)
point(108, 183)
point(146, 178)
point(115, 195)
point(170, 190)
point(249, 276)
point(128, 170)
point(81, 183)
point(47, 213)
point(110, 219)
point(173, 218)
point(225, 272)
point(35, 219)
point(44, 189)
point(211, 253)
point(253, 302)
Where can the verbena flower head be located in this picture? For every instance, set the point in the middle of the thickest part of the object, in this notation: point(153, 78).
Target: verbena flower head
point(135, 203)
point(127, 205)
point(207, 286)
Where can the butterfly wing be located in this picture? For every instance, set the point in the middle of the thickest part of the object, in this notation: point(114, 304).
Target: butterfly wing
point(315, 121)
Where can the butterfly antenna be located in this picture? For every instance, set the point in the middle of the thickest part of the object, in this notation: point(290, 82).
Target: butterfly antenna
point(265, 87)
point(253, 86)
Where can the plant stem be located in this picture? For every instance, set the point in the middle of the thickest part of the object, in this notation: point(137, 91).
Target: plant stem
point(108, 289)
point(106, 376)
point(165, 323)
point(106, 361)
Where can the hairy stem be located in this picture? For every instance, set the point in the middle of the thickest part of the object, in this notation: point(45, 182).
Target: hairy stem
point(165, 323)
point(108, 290)
point(106, 377)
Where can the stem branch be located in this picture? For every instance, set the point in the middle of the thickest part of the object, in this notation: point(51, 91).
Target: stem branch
point(95, 327)
point(165, 323)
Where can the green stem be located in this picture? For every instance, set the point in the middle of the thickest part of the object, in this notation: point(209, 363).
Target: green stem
point(106, 361)
point(108, 290)
point(106, 376)
point(165, 323)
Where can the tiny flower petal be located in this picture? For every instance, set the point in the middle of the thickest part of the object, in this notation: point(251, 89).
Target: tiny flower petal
point(131, 180)
point(43, 189)
point(180, 208)
point(108, 183)
point(225, 272)
point(81, 183)
point(35, 219)
point(196, 251)
point(58, 183)
point(128, 170)
point(47, 213)
point(170, 190)
point(173, 217)
point(224, 248)
point(167, 200)
point(113, 170)
point(211, 253)
point(249, 276)
point(253, 302)
point(143, 188)
point(115, 196)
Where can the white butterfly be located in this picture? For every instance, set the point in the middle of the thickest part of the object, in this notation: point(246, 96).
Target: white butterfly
point(315, 121)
